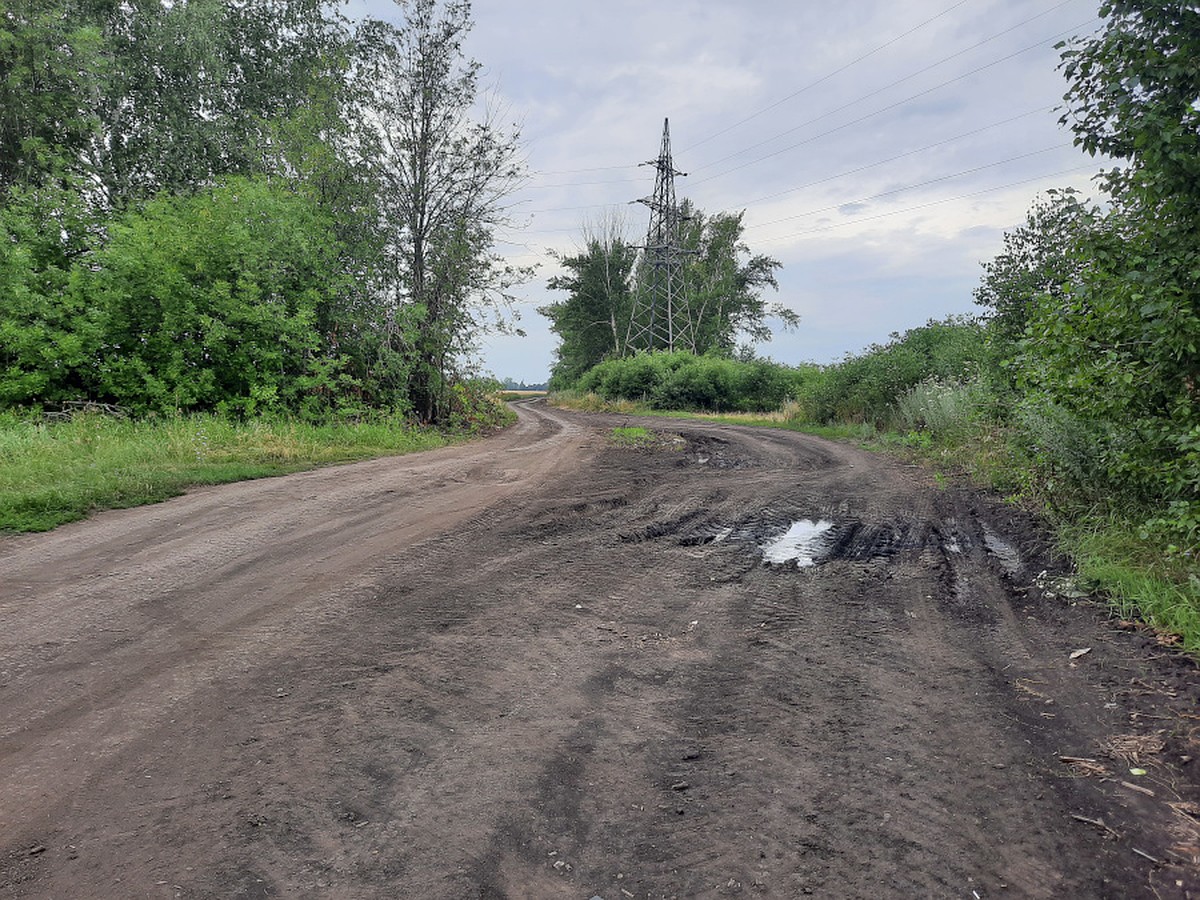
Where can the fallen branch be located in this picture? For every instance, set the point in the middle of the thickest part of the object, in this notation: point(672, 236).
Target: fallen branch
point(1098, 823)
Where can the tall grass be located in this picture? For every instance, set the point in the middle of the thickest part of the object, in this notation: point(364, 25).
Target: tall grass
point(946, 410)
point(52, 473)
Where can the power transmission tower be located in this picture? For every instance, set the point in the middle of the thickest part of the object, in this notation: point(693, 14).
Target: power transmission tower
point(661, 319)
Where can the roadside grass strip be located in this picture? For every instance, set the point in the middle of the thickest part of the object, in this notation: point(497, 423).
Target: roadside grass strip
point(58, 472)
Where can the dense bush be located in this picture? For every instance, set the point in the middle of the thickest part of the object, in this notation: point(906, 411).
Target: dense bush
point(866, 387)
point(946, 410)
point(683, 381)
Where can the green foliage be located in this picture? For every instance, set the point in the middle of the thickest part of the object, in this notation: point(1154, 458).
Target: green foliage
point(188, 91)
point(684, 381)
point(242, 206)
point(441, 175)
point(1119, 347)
point(1132, 96)
point(1039, 263)
point(632, 436)
point(474, 406)
point(721, 281)
point(866, 387)
point(210, 301)
point(49, 334)
point(49, 56)
point(592, 323)
point(942, 410)
point(1115, 556)
point(1061, 454)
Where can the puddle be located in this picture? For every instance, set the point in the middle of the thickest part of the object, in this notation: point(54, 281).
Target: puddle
point(801, 542)
point(1006, 554)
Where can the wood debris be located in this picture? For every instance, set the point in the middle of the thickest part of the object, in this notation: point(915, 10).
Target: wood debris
point(1098, 823)
point(1088, 768)
point(1132, 747)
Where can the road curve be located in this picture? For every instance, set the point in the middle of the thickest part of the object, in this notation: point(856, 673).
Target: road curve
point(543, 665)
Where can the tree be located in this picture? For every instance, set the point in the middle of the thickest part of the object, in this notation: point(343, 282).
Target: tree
point(1039, 263)
point(189, 90)
point(49, 55)
point(593, 322)
point(441, 179)
point(1133, 97)
point(724, 283)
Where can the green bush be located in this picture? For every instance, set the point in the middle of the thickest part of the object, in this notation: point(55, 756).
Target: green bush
point(946, 410)
point(687, 382)
point(866, 387)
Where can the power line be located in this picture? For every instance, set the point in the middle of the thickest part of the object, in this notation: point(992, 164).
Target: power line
point(891, 106)
point(892, 84)
point(897, 212)
point(890, 159)
point(578, 171)
point(909, 187)
point(829, 178)
point(824, 78)
point(538, 187)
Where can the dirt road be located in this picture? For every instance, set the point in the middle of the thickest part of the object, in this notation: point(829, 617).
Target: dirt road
point(542, 665)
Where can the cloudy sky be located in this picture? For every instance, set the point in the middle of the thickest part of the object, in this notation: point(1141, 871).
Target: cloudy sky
point(879, 149)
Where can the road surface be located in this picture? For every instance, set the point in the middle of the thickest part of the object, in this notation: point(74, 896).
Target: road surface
point(546, 665)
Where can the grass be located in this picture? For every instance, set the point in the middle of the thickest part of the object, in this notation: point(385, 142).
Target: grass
point(53, 473)
point(631, 436)
point(786, 417)
point(1112, 557)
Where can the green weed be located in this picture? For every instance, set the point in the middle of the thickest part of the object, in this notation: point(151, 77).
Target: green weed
point(632, 436)
point(53, 473)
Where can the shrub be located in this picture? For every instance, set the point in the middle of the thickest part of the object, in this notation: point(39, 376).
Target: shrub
point(946, 410)
point(865, 388)
point(685, 381)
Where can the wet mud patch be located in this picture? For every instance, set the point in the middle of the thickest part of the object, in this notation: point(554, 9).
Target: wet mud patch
point(665, 528)
point(790, 540)
point(716, 452)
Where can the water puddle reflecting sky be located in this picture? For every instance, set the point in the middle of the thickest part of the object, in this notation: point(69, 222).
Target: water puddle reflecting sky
point(802, 542)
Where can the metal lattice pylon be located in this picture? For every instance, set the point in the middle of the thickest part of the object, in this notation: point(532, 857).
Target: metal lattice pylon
point(661, 319)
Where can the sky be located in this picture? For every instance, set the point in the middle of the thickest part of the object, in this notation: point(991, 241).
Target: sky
point(879, 150)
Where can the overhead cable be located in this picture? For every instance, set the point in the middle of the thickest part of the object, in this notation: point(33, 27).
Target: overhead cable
point(824, 78)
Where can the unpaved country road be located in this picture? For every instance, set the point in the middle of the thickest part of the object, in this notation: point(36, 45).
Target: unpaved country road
point(544, 666)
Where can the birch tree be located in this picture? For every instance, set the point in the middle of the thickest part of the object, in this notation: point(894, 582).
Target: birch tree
point(442, 173)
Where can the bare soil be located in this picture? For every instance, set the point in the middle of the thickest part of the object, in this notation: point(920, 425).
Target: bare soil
point(543, 665)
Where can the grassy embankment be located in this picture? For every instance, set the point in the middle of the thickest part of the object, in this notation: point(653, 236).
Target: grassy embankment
point(57, 472)
point(940, 408)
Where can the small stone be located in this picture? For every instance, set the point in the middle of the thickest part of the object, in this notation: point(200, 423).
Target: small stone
point(35, 851)
point(680, 786)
